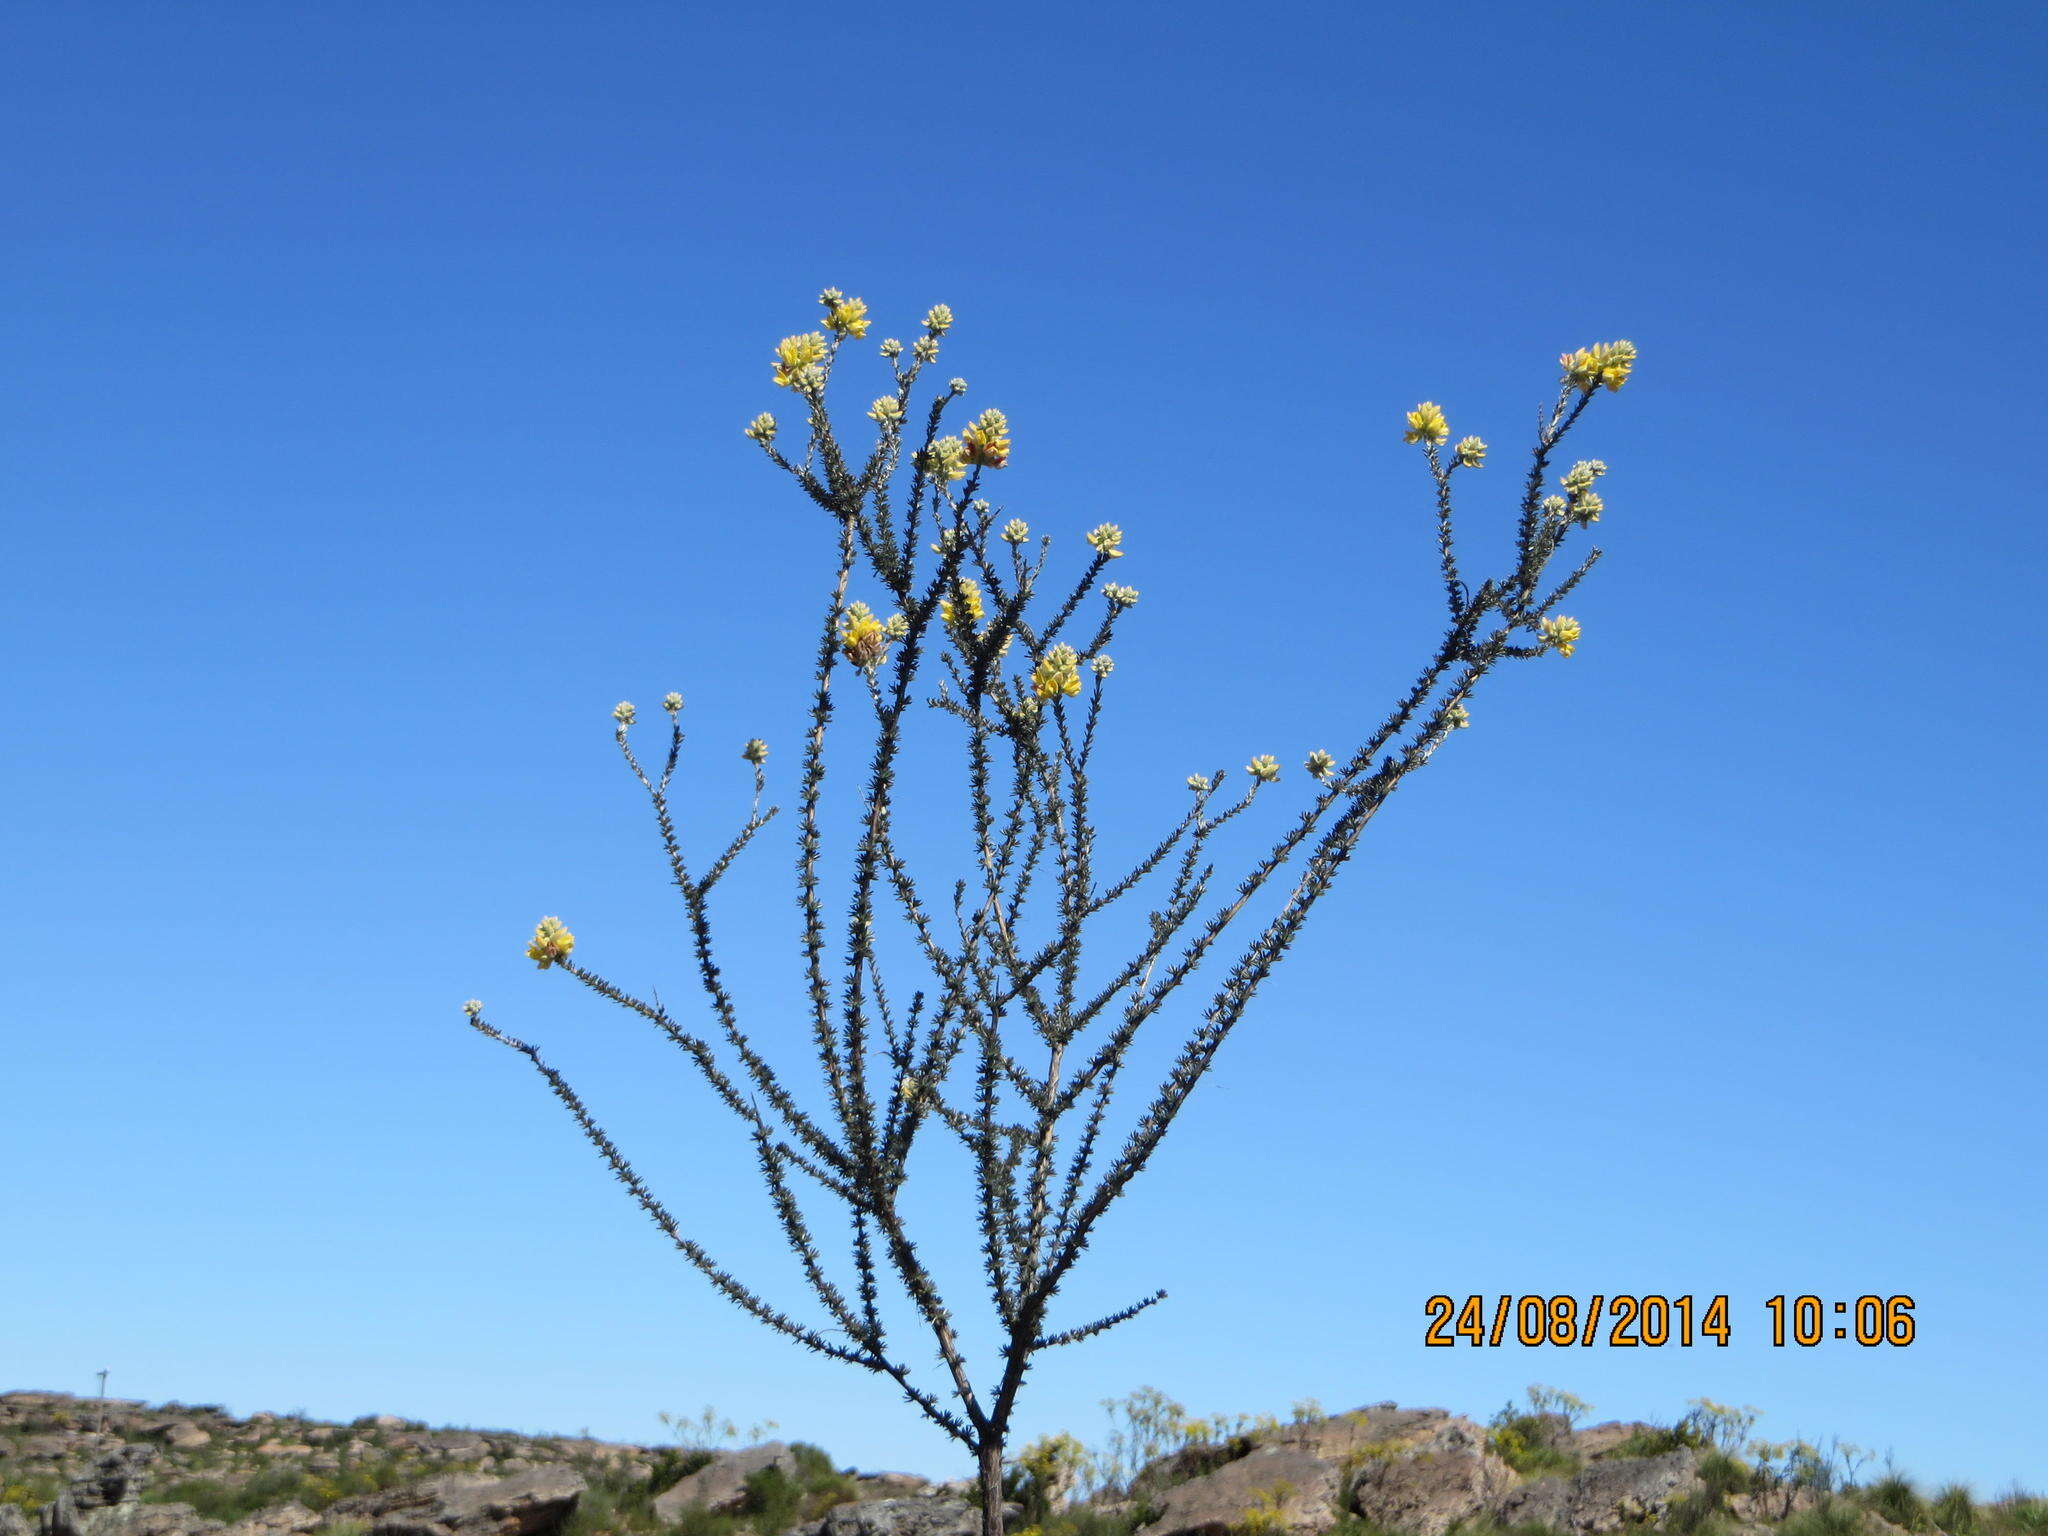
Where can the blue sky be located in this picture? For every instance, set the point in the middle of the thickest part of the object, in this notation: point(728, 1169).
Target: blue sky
point(371, 427)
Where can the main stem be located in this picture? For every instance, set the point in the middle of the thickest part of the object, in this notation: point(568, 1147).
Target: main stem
point(990, 1454)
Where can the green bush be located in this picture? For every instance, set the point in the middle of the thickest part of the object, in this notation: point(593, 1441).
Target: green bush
point(1955, 1511)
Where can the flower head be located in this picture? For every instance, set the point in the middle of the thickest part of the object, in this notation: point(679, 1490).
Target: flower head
point(797, 359)
point(1199, 783)
point(938, 319)
point(623, 713)
point(969, 605)
point(896, 626)
point(1587, 507)
point(762, 429)
point(1320, 764)
point(945, 460)
point(755, 751)
point(1605, 362)
point(1426, 424)
point(1106, 540)
point(1471, 452)
point(957, 386)
point(473, 1007)
point(1016, 531)
point(1264, 768)
point(1457, 717)
point(1580, 476)
point(1553, 506)
point(1122, 597)
point(888, 411)
point(1102, 666)
point(1057, 675)
point(1561, 633)
point(924, 349)
point(551, 943)
point(671, 702)
point(861, 636)
point(848, 317)
point(987, 440)
point(892, 348)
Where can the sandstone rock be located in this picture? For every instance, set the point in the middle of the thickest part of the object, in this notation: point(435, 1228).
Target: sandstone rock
point(464, 1504)
point(183, 1435)
point(1427, 1489)
point(282, 1520)
point(1772, 1505)
point(14, 1521)
point(722, 1486)
point(893, 1485)
point(1362, 1431)
point(908, 1517)
point(63, 1516)
point(1599, 1439)
point(1300, 1487)
point(1605, 1496)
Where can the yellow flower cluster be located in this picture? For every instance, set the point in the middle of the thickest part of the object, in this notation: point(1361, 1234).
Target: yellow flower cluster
point(1059, 674)
point(1199, 783)
point(671, 702)
point(797, 359)
point(1016, 531)
point(551, 943)
point(1471, 452)
point(1586, 505)
point(1123, 597)
point(1319, 764)
point(938, 319)
point(623, 713)
point(847, 317)
point(755, 751)
point(862, 637)
point(969, 604)
point(1426, 424)
point(1106, 540)
point(473, 1007)
point(945, 460)
point(987, 440)
point(762, 428)
point(1561, 632)
point(1265, 769)
point(1457, 717)
point(1605, 362)
point(888, 411)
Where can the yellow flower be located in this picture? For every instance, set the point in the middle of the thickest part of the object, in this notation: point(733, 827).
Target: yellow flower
point(945, 460)
point(551, 943)
point(1471, 452)
point(1457, 717)
point(671, 702)
point(1058, 674)
point(987, 440)
point(892, 348)
point(1102, 666)
point(970, 602)
point(1426, 424)
point(1319, 764)
point(938, 319)
point(862, 637)
point(1104, 540)
point(887, 410)
point(1587, 507)
point(1123, 597)
point(796, 360)
point(1016, 531)
point(755, 751)
point(1561, 632)
point(1605, 362)
point(849, 317)
point(1199, 783)
point(1263, 768)
point(623, 713)
point(762, 428)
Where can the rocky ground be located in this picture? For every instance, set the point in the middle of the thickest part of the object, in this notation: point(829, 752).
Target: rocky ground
point(81, 1467)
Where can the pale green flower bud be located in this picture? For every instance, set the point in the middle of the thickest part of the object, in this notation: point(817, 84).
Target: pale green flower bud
point(755, 751)
point(1471, 452)
point(623, 713)
point(1263, 768)
point(830, 298)
point(1102, 666)
point(672, 702)
point(1199, 783)
point(958, 386)
point(1319, 764)
point(762, 428)
point(1457, 717)
point(473, 1007)
point(924, 349)
point(1122, 597)
point(1105, 538)
point(1554, 505)
point(938, 319)
point(892, 348)
point(896, 626)
point(1016, 531)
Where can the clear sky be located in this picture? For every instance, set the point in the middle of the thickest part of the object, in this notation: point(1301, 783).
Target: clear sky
point(371, 426)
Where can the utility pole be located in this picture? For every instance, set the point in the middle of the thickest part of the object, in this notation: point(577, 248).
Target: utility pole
point(103, 1402)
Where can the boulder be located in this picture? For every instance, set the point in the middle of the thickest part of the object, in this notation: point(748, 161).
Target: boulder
point(721, 1487)
point(907, 1517)
point(1432, 1485)
point(1362, 1434)
point(1604, 1496)
point(1299, 1487)
point(892, 1485)
point(183, 1435)
point(465, 1504)
point(281, 1520)
point(14, 1521)
point(62, 1516)
point(1599, 1439)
